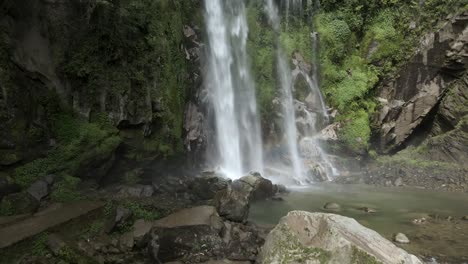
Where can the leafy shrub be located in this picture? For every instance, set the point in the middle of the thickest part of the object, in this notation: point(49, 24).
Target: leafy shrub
point(356, 130)
point(79, 142)
point(335, 36)
point(66, 190)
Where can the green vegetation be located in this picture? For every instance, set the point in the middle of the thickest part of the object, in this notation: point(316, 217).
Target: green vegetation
point(80, 143)
point(361, 257)
point(6, 208)
point(363, 42)
point(39, 244)
point(133, 49)
point(66, 190)
point(289, 249)
point(262, 51)
point(141, 211)
point(356, 130)
point(414, 157)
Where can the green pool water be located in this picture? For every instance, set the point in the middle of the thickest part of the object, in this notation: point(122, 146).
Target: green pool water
point(446, 241)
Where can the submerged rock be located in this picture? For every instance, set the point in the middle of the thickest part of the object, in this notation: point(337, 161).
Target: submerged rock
point(419, 221)
point(303, 237)
point(368, 210)
point(401, 238)
point(332, 206)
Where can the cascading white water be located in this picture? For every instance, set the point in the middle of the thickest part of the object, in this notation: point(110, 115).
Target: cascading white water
point(285, 77)
point(310, 145)
point(232, 92)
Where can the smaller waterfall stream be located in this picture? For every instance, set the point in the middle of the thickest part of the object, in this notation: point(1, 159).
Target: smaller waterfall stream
point(286, 82)
point(308, 159)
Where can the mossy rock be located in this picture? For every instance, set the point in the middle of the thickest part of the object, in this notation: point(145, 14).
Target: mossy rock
point(8, 158)
point(18, 203)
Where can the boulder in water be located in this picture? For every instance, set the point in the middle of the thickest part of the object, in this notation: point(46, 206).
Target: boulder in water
point(233, 203)
point(332, 206)
point(303, 237)
point(206, 186)
point(401, 238)
point(368, 210)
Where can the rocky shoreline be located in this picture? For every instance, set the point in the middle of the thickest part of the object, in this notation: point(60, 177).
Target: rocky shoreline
point(198, 220)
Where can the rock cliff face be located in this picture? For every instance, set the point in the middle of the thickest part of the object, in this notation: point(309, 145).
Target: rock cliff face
point(50, 59)
point(428, 99)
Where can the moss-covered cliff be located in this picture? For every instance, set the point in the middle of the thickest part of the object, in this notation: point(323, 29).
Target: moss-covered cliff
point(78, 79)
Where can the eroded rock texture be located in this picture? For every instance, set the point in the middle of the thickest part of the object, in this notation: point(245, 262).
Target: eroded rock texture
point(429, 96)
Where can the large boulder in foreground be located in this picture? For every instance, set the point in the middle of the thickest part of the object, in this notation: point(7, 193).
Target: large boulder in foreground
point(303, 237)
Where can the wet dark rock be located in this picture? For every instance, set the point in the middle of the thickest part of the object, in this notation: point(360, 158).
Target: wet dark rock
point(141, 231)
point(19, 203)
point(136, 191)
point(118, 219)
point(259, 187)
point(206, 186)
point(194, 243)
point(192, 234)
point(243, 242)
point(153, 249)
point(171, 185)
point(55, 244)
point(39, 189)
point(332, 206)
point(233, 203)
point(368, 210)
point(277, 198)
point(126, 241)
point(9, 158)
point(7, 186)
point(280, 188)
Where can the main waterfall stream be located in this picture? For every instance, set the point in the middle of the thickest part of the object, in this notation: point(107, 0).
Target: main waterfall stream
point(232, 90)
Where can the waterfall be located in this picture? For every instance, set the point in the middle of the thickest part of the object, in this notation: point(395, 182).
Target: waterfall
point(231, 89)
point(286, 83)
point(310, 146)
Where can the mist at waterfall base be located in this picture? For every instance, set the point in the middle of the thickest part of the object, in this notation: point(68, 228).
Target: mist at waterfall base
point(238, 140)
